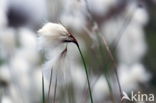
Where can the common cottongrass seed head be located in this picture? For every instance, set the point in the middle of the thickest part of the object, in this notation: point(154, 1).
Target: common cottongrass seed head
point(52, 35)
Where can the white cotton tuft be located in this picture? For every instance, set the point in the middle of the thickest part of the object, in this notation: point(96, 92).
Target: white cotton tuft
point(52, 35)
point(7, 43)
point(19, 65)
point(140, 74)
point(27, 38)
point(132, 45)
point(3, 13)
point(101, 7)
point(74, 18)
point(53, 30)
point(111, 28)
point(30, 55)
point(126, 80)
point(3, 19)
point(140, 16)
point(131, 76)
point(77, 23)
point(5, 73)
point(8, 39)
point(6, 99)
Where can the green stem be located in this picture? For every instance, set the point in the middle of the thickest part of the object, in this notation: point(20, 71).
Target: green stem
point(43, 95)
point(87, 75)
point(50, 85)
point(55, 90)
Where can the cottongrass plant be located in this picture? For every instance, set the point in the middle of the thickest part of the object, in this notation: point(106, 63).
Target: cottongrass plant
point(53, 35)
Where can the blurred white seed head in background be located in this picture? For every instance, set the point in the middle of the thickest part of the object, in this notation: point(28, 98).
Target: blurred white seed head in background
point(101, 7)
point(7, 43)
point(74, 15)
point(28, 46)
point(32, 56)
point(132, 45)
point(111, 28)
point(3, 19)
point(131, 76)
point(8, 39)
point(19, 65)
point(140, 15)
point(4, 5)
point(140, 74)
point(55, 8)
point(6, 99)
point(5, 73)
point(3, 13)
point(27, 38)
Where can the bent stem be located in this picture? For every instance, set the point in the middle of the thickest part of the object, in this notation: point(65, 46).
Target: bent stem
point(114, 64)
point(50, 85)
point(110, 89)
point(43, 95)
point(55, 90)
point(86, 70)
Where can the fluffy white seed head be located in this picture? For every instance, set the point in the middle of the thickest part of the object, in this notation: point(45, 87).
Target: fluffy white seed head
point(52, 35)
point(53, 30)
point(131, 76)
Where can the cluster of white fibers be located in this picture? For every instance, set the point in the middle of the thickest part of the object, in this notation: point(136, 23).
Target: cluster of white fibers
point(74, 15)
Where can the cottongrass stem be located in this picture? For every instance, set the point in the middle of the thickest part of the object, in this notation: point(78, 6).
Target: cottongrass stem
point(114, 64)
point(73, 39)
point(55, 88)
point(50, 82)
point(86, 70)
point(43, 94)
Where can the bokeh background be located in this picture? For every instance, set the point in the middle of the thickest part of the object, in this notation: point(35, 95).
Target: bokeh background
point(128, 26)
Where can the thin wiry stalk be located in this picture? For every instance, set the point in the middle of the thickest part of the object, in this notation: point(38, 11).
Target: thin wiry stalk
point(55, 88)
point(114, 63)
point(103, 56)
point(121, 32)
point(87, 75)
point(116, 42)
point(111, 56)
point(50, 82)
point(43, 94)
point(110, 88)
